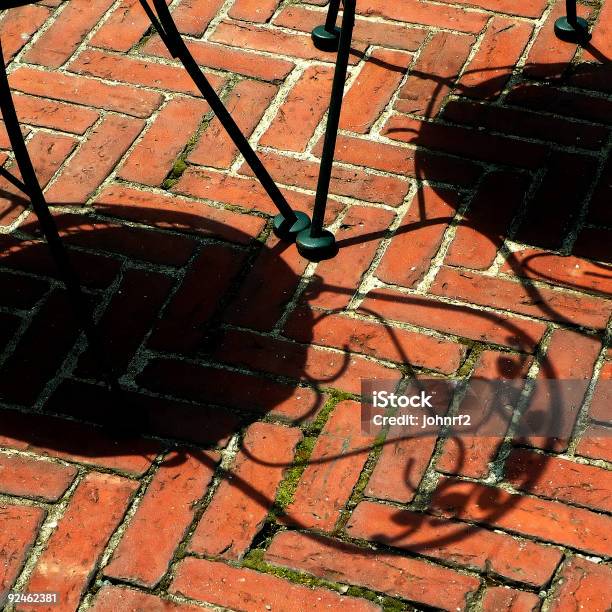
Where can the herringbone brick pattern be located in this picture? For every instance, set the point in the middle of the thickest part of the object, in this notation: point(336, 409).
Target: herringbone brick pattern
point(471, 201)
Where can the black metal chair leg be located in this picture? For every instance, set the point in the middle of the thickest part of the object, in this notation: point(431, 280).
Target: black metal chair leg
point(327, 37)
point(315, 243)
point(572, 28)
point(31, 188)
point(289, 222)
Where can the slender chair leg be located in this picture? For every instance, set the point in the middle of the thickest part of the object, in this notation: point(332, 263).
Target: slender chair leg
point(327, 37)
point(315, 243)
point(572, 28)
point(288, 223)
point(31, 188)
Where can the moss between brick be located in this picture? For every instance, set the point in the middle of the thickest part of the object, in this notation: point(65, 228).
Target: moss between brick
point(255, 561)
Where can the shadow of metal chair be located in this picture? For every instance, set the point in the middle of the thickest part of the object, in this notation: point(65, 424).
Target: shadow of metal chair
point(30, 187)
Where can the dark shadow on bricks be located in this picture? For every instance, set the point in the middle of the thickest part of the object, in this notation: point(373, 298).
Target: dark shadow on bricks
point(206, 420)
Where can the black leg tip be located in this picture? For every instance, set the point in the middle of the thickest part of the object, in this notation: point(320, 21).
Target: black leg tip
point(317, 248)
point(572, 32)
point(286, 230)
point(324, 40)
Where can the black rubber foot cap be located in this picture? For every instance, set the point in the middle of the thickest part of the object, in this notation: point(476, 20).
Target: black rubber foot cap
point(317, 248)
point(324, 40)
point(572, 32)
point(288, 231)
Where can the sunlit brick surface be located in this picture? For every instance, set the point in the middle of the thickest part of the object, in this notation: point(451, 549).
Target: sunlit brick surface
point(471, 200)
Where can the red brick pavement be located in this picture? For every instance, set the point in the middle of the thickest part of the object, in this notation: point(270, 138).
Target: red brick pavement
point(471, 201)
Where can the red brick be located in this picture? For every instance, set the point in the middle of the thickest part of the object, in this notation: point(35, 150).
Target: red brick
point(54, 321)
point(386, 34)
point(340, 562)
point(416, 11)
point(271, 40)
point(201, 424)
point(231, 59)
point(417, 240)
point(113, 598)
point(501, 47)
point(247, 104)
point(470, 453)
point(527, 8)
point(253, 10)
point(462, 321)
point(95, 511)
point(32, 256)
point(555, 206)
point(350, 182)
point(134, 242)
point(543, 519)
point(601, 401)
point(525, 123)
point(465, 143)
point(570, 355)
point(525, 299)
point(53, 114)
point(193, 17)
point(332, 470)
point(20, 526)
point(404, 460)
point(94, 160)
point(554, 406)
point(162, 518)
point(567, 103)
point(83, 90)
point(600, 45)
point(18, 25)
point(99, 63)
point(124, 28)
point(246, 193)
point(595, 443)
point(467, 545)
point(549, 57)
point(480, 234)
point(375, 339)
point(153, 157)
point(591, 76)
point(405, 161)
point(584, 585)
point(236, 513)
point(28, 477)
point(48, 154)
point(252, 591)
point(434, 73)
point(312, 364)
point(261, 301)
point(128, 317)
point(69, 28)
point(183, 325)
point(178, 214)
point(358, 239)
point(373, 88)
point(568, 271)
point(301, 112)
point(74, 441)
point(232, 389)
point(560, 479)
point(505, 598)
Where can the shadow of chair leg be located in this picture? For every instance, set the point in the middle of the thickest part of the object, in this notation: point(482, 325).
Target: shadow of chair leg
point(30, 186)
point(288, 223)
